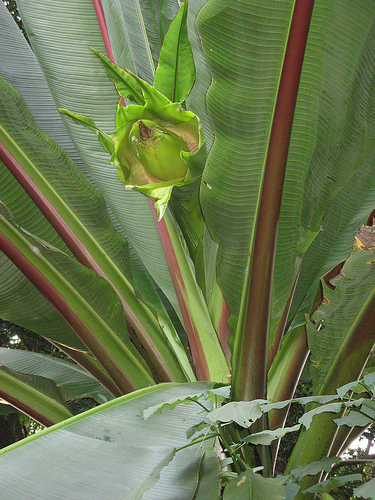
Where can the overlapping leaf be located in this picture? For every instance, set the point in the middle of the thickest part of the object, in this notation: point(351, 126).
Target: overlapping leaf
point(72, 378)
point(245, 64)
point(76, 81)
point(93, 459)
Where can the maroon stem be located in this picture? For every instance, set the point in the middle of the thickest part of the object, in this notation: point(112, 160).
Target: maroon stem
point(199, 359)
point(250, 376)
point(274, 349)
point(103, 28)
point(22, 407)
point(49, 211)
point(90, 366)
point(80, 251)
point(83, 331)
point(223, 331)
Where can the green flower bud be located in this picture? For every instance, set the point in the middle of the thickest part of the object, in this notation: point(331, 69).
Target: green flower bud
point(158, 150)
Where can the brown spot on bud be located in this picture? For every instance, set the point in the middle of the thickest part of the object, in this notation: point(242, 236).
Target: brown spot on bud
point(145, 132)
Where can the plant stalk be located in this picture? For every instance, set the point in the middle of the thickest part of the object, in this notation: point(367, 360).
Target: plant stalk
point(208, 356)
point(250, 351)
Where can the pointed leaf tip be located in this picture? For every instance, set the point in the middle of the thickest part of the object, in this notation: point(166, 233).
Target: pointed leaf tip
point(175, 74)
point(125, 83)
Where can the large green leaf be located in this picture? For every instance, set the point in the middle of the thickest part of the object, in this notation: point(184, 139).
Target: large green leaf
point(76, 80)
point(196, 100)
point(342, 322)
point(334, 242)
point(24, 74)
point(139, 43)
point(343, 152)
point(108, 462)
point(244, 45)
point(332, 137)
point(323, 143)
point(71, 377)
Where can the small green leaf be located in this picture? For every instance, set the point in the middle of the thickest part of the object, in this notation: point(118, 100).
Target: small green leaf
point(89, 123)
point(306, 419)
point(332, 483)
point(175, 74)
point(172, 403)
point(197, 428)
point(266, 437)
point(125, 84)
point(354, 419)
point(327, 496)
point(242, 413)
point(310, 469)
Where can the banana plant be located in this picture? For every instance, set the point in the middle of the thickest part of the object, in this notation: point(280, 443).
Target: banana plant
point(186, 204)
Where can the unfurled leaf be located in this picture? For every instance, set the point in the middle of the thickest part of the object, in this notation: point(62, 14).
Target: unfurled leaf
point(175, 74)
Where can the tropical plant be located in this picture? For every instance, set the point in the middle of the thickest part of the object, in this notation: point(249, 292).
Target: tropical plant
point(205, 270)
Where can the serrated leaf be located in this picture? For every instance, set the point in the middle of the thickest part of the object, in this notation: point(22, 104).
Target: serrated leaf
point(313, 468)
point(197, 428)
point(354, 419)
point(242, 413)
point(173, 403)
